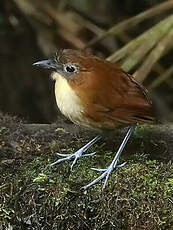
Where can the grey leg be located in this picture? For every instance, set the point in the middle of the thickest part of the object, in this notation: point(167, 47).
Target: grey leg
point(78, 153)
point(107, 171)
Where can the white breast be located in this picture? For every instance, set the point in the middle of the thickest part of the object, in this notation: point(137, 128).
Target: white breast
point(67, 101)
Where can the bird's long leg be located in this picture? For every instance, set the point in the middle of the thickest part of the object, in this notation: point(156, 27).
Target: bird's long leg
point(107, 171)
point(78, 153)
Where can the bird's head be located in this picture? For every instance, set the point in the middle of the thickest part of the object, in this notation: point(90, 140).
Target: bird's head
point(69, 64)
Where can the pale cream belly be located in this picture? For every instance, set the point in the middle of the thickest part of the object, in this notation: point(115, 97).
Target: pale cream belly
point(71, 107)
point(67, 101)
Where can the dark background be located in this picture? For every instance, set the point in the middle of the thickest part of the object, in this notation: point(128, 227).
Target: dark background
point(27, 92)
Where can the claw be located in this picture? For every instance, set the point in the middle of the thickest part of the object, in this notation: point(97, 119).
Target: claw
point(121, 165)
point(95, 181)
point(99, 170)
point(103, 170)
point(106, 172)
point(106, 180)
point(89, 154)
point(77, 154)
point(63, 155)
point(74, 162)
point(57, 162)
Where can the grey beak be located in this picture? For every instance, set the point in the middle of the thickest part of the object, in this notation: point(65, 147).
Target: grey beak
point(48, 64)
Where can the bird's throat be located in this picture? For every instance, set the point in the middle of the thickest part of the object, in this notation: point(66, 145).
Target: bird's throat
point(67, 100)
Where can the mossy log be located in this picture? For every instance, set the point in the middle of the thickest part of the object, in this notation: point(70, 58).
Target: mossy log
point(155, 140)
point(35, 196)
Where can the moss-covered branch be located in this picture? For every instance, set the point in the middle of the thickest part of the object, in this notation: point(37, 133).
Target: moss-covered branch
point(155, 140)
point(35, 196)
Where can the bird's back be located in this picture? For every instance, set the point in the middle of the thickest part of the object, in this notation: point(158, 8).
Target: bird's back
point(110, 96)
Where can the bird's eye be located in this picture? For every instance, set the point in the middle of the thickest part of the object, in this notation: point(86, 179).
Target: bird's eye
point(70, 68)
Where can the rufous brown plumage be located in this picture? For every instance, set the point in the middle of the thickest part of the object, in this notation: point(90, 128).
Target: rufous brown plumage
point(98, 94)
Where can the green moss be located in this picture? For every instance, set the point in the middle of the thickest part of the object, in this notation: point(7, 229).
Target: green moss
point(141, 130)
point(138, 195)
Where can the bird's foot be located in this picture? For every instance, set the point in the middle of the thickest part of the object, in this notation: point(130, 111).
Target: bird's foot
point(74, 156)
point(106, 173)
point(77, 154)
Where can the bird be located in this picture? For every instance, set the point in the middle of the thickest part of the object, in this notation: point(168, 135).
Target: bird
point(97, 94)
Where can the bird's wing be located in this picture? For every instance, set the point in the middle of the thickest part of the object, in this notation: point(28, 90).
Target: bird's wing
point(127, 104)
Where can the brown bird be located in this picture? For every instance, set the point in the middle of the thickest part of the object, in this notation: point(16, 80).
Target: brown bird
point(97, 94)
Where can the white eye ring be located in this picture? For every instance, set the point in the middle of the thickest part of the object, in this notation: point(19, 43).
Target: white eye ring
point(70, 68)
